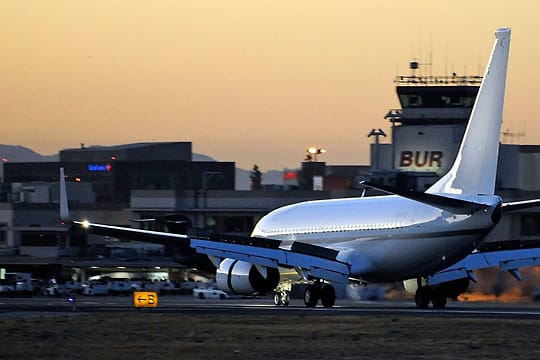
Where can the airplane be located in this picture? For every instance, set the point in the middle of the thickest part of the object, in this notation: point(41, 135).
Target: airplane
point(431, 240)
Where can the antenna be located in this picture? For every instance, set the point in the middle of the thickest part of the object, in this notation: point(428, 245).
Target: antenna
point(414, 65)
point(431, 53)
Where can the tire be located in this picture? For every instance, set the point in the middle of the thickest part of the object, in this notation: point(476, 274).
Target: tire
point(311, 296)
point(438, 298)
point(201, 296)
point(422, 297)
point(328, 295)
point(277, 299)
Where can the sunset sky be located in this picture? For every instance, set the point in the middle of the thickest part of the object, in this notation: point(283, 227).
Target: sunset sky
point(251, 81)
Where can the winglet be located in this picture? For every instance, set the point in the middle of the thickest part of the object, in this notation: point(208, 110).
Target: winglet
point(64, 208)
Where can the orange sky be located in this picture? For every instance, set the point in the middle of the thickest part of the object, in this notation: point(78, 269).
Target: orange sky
point(246, 81)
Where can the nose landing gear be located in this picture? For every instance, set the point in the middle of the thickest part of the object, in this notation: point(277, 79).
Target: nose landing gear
point(281, 298)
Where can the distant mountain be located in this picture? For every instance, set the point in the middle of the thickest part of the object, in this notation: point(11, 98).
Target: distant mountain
point(17, 153)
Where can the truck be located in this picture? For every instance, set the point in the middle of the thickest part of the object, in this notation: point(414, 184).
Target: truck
point(17, 284)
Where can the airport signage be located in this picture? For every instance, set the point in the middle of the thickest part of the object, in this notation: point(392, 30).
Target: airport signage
point(426, 148)
point(99, 167)
point(145, 299)
point(421, 159)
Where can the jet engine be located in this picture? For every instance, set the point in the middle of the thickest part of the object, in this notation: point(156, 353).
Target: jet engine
point(243, 278)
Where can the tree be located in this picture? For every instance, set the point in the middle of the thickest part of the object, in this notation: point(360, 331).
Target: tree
point(255, 178)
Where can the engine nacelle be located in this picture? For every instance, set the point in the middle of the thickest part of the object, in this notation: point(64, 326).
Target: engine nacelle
point(243, 278)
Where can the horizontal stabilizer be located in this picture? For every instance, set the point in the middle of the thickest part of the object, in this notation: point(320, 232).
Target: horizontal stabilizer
point(453, 205)
point(507, 260)
point(518, 205)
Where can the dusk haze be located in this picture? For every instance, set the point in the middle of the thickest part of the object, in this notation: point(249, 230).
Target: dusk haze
point(254, 82)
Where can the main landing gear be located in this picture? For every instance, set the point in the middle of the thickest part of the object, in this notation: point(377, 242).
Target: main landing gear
point(314, 292)
point(325, 292)
point(436, 294)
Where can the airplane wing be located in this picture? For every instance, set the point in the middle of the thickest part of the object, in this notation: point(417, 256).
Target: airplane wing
point(164, 238)
point(156, 237)
point(509, 260)
point(311, 260)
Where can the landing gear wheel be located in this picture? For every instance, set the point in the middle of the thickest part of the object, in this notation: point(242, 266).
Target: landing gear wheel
point(422, 297)
point(438, 298)
point(285, 299)
point(328, 295)
point(281, 298)
point(311, 295)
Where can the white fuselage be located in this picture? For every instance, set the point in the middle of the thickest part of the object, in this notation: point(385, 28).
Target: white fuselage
point(383, 238)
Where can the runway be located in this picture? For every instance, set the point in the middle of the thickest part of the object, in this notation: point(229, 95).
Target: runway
point(59, 306)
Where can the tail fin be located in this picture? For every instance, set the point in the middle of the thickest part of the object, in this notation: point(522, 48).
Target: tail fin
point(475, 167)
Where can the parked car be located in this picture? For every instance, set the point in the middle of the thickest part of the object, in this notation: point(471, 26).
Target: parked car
point(120, 287)
point(210, 293)
point(186, 287)
point(151, 286)
point(137, 285)
point(73, 286)
point(95, 288)
point(16, 284)
point(168, 287)
point(55, 290)
point(6, 289)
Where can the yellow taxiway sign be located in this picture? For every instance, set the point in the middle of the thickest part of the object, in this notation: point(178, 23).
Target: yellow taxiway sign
point(145, 299)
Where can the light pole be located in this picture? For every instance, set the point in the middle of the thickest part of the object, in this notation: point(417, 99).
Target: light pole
point(312, 152)
point(377, 133)
point(393, 115)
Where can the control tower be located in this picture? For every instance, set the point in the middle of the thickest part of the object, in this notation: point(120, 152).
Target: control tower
point(427, 130)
